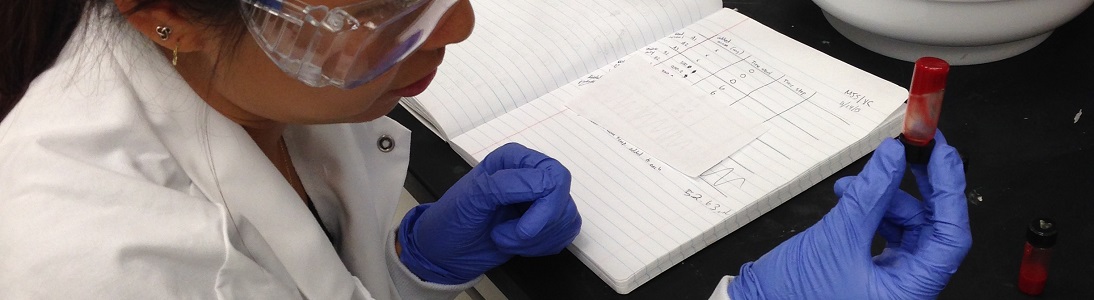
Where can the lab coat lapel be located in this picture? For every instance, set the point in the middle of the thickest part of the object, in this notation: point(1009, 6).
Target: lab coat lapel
point(252, 188)
point(353, 175)
point(226, 165)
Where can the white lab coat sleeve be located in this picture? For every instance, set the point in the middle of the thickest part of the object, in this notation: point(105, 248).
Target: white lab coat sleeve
point(412, 287)
point(722, 291)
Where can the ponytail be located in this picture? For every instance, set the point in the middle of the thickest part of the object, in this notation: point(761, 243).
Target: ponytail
point(30, 42)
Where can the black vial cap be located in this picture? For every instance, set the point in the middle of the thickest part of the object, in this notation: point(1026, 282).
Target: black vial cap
point(919, 155)
point(1042, 233)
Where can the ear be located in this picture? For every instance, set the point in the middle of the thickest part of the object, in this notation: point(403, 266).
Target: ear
point(184, 34)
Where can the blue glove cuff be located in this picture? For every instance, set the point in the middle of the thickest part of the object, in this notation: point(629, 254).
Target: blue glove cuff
point(414, 260)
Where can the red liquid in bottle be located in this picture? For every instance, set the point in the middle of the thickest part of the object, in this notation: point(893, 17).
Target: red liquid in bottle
point(925, 100)
point(1034, 270)
point(1033, 273)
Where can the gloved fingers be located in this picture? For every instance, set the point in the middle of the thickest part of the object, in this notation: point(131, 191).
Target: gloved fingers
point(550, 207)
point(921, 180)
point(904, 211)
point(511, 156)
point(510, 212)
point(477, 198)
point(902, 221)
point(539, 222)
point(841, 185)
point(866, 197)
point(892, 234)
point(920, 171)
point(543, 211)
point(950, 237)
point(942, 169)
point(939, 139)
point(889, 257)
point(551, 240)
point(511, 186)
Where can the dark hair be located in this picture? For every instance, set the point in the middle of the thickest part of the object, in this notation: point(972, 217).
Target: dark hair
point(37, 30)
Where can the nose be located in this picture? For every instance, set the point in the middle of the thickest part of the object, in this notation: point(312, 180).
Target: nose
point(454, 27)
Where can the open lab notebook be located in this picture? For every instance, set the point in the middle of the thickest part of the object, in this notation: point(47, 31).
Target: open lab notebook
point(511, 82)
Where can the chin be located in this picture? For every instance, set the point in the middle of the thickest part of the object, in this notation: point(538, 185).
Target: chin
point(371, 114)
point(378, 109)
point(364, 118)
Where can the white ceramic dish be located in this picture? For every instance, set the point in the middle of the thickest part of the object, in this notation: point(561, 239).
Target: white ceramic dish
point(962, 32)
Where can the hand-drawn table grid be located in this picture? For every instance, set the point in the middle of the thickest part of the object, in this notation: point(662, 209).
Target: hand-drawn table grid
point(718, 63)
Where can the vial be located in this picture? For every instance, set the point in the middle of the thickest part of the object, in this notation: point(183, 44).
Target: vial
point(925, 100)
point(1040, 237)
point(924, 107)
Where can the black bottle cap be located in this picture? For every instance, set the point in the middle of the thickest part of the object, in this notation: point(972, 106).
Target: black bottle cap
point(1042, 233)
point(919, 155)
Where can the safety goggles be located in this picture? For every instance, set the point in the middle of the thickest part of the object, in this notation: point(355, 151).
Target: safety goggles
point(342, 46)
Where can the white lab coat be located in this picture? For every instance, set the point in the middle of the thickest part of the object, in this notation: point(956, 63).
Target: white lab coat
point(118, 182)
point(721, 292)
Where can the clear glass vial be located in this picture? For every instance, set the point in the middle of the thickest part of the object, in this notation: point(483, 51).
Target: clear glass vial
point(1040, 237)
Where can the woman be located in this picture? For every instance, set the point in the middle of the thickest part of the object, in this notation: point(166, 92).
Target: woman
point(239, 149)
point(170, 168)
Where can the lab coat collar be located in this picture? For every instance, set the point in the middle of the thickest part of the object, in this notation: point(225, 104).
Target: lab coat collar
point(226, 165)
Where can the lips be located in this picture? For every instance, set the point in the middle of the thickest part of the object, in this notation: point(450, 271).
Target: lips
point(417, 87)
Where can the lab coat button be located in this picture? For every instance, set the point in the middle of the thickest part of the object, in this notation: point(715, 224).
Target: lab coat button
point(385, 143)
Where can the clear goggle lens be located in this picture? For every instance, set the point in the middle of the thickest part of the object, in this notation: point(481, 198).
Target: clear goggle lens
point(342, 46)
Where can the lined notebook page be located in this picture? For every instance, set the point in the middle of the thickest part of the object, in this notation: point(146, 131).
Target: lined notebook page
point(681, 126)
point(520, 50)
point(641, 217)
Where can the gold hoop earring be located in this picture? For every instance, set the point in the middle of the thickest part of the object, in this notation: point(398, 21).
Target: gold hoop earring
point(175, 56)
point(164, 32)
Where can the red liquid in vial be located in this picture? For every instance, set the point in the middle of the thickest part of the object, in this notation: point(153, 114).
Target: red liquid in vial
point(925, 100)
point(1034, 270)
point(1033, 273)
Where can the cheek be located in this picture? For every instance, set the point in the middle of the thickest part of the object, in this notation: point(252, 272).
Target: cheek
point(255, 84)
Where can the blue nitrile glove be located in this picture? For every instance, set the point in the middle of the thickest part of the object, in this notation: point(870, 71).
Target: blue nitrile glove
point(515, 202)
point(831, 260)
